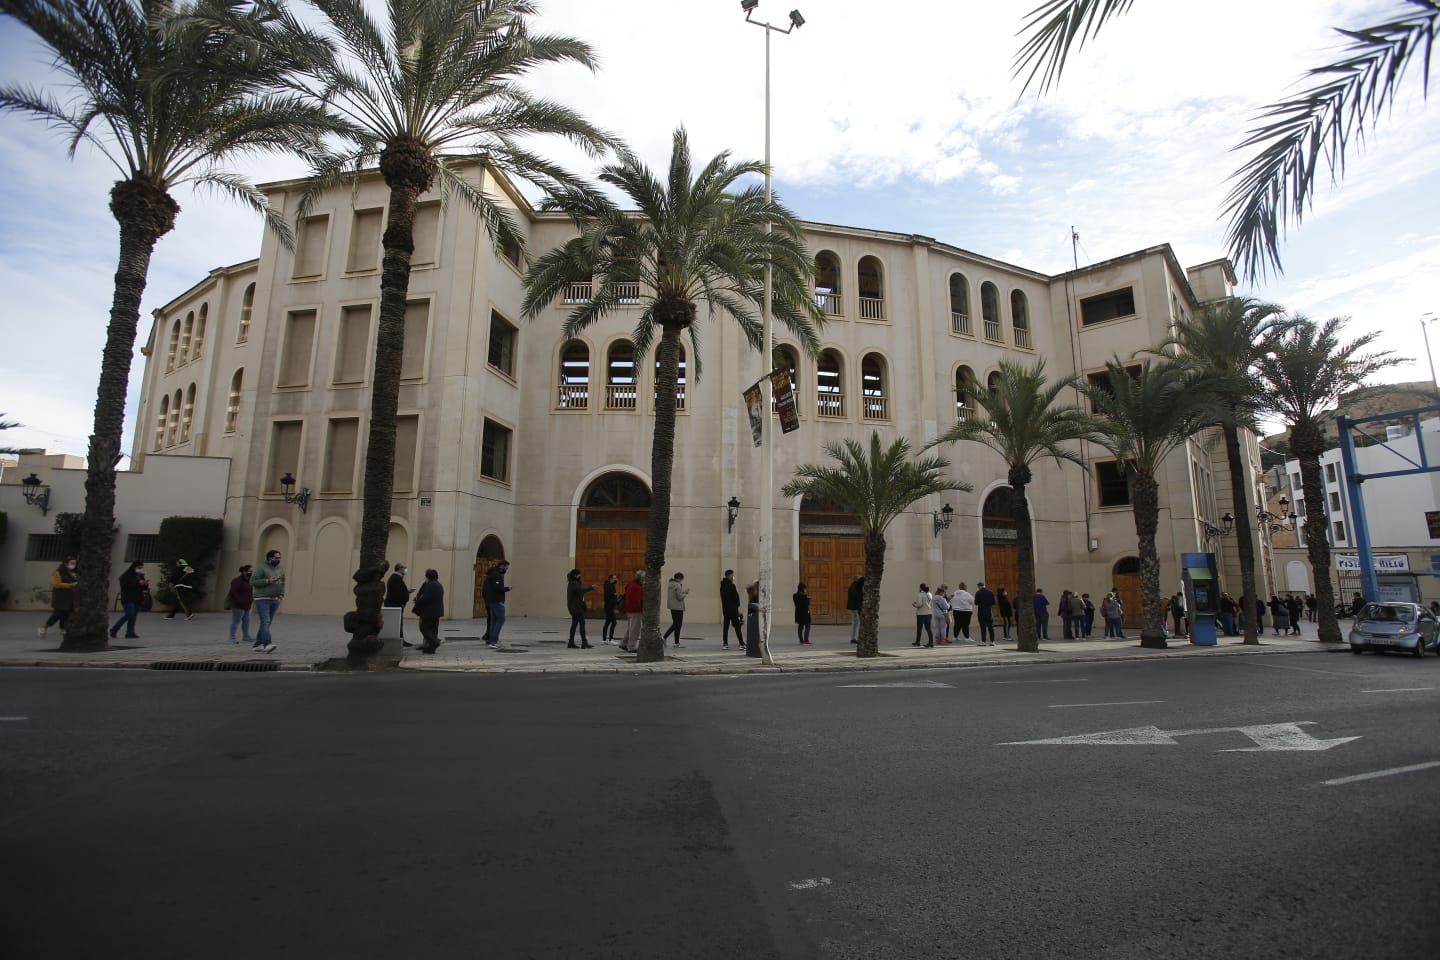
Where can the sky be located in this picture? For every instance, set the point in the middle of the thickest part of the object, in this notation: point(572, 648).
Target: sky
point(902, 116)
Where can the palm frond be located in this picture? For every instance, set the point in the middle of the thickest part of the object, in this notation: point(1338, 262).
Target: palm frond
point(1055, 27)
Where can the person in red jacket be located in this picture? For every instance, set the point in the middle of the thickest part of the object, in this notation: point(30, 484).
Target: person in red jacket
point(634, 607)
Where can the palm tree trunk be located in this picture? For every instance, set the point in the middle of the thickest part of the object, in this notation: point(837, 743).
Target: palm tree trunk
point(407, 175)
point(1240, 500)
point(662, 463)
point(1145, 504)
point(1026, 638)
point(1308, 443)
point(869, 645)
point(145, 213)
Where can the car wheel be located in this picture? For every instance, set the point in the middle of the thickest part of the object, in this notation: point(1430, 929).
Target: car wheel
point(1419, 646)
point(1355, 649)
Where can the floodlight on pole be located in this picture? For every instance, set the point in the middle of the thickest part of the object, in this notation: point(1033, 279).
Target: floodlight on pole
point(767, 428)
point(1425, 322)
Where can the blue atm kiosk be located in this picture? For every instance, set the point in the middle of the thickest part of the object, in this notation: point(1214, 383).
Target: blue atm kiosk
point(1201, 579)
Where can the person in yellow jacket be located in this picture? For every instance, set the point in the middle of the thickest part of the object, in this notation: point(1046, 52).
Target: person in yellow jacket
point(62, 595)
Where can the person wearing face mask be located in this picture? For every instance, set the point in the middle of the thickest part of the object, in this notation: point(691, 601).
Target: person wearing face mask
point(133, 590)
point(397, 594)
point(239, 601)
point(62, 595)
point(269, 584)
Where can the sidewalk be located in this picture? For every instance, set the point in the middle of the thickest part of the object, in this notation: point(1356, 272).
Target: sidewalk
point(537, 645)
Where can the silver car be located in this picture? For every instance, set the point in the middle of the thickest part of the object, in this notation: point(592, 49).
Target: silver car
point(1395, 626)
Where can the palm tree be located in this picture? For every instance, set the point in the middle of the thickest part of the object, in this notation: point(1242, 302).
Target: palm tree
point(1144, 413)
point(168, 99)
point(1224, 342)
point(8, 425)
point(697, 236)
point(1022, 421)
point(1295, 135)
point(426, 95)
point(877, 485)
point(1306, 374)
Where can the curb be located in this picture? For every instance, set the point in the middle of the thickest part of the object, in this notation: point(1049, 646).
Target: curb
point(282, 667)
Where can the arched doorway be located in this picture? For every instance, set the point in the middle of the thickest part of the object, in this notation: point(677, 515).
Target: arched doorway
point(998, 532)
point(1126, 579)
point(491, 552)
point(610, 532)
point(832, 553)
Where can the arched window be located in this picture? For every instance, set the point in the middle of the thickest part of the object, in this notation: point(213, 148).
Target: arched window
point(615, 500)
point(827, 282)
point(184, 355)
point(232, 403)
point(161, 421)
point(574, 376)
point(174, 345)
point(621, 377)
point(788, 360)
point(174, 433)
point(992, 383)
point(679, 376)
point(964, 391)
point(188, 415)
point(990, 310)
point(197, 346)
point(874, 400)
point(829, 385)
point(872, 289)
point(960, 305)
point(1020, 318)
point(247, 305)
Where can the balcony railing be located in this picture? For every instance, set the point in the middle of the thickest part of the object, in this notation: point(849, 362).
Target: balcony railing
point(964, 413)
point(992, 331)
point(830, 405)
point(628, 292)
point(679, 400)
point(579, 292)
point(872, 308)
point(1022, 338)
point(621, 396)
point(573, 396)
point(875, 408)
point(829, 302)
point(960, 323)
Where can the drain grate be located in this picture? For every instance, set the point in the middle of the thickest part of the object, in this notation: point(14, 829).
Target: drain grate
point(243, 666)
point(248, 666)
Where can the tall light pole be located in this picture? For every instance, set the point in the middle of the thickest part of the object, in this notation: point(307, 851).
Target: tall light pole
point(1425, 322)
point(767, 431)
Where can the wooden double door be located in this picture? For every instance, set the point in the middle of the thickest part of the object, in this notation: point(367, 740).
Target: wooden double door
point(828, 564)
point(1002, 567)
point(601, 551)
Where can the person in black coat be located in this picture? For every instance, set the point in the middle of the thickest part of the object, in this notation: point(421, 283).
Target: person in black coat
point(397, 594)
point(182, 587)
point(430, 607)
point(575, 605)
point(854, 600)
point(134, 588)
point(730, 611)
point(802, 614)
point(612, 609)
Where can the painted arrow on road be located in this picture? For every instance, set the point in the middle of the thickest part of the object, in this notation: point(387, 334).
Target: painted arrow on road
point(1267, 738)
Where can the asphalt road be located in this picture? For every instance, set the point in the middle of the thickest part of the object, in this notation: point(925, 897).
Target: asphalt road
point(833, 815)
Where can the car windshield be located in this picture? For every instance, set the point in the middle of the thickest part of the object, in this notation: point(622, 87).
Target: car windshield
point(1389, 612)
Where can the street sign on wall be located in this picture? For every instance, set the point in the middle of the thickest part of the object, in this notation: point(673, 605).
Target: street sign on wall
point(1385, 562)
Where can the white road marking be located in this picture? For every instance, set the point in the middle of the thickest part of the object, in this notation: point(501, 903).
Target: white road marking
point(903, 683)
point(1114, 703)
point(1076, 680)
point(1332, 673)
point(810, 883)
point(1381, 773)
point(2, 719)
point(1399, 690)
point(1267, 737)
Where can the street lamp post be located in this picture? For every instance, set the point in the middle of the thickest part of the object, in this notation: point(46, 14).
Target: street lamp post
point(767, 436)
point(1425, 322)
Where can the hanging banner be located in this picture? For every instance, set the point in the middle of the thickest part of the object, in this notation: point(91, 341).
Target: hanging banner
point(784, 392)
point(755, 406)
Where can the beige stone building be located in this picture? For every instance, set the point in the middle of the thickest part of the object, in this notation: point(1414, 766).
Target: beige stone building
point(513, 442)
